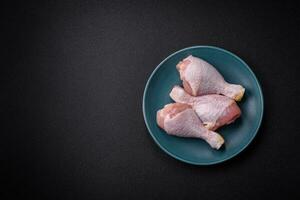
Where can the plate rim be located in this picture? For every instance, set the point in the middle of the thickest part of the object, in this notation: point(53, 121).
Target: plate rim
point(179, 157)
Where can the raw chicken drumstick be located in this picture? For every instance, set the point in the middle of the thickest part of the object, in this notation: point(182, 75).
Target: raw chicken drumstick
point(214, 110)
point(181, 120)
point(200, 78)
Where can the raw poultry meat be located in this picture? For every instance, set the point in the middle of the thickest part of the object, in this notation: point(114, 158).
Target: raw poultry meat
point(181, 120)
point(201, 78)
point(214, 110)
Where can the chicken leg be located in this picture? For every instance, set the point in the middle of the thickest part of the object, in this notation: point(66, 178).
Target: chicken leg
point(200, 78)
point(181, 120)
point(213, 110)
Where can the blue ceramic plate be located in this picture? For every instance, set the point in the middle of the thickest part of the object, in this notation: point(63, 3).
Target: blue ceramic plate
point(237, 135)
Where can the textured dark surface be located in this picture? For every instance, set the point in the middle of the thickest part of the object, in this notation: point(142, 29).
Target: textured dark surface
point(73, 80)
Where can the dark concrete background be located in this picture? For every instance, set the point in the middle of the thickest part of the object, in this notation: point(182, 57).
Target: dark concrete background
point(73, 78)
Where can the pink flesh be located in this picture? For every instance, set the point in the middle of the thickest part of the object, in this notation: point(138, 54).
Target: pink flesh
point(230, 114)
point(169, 110)
point(201, 78)
point(181, 66)
point(180, 120)
point(214, 110)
